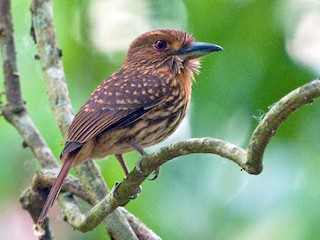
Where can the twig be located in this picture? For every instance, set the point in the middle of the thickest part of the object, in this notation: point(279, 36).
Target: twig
point(10, 69)
point(272, 120)
point(142, 231)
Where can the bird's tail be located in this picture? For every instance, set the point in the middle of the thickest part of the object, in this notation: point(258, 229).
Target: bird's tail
point(68, 160)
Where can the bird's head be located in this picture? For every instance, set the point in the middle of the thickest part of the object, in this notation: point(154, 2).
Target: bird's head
point(167, 50)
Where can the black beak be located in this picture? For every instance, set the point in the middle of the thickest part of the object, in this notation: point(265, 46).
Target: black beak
point(198, 49)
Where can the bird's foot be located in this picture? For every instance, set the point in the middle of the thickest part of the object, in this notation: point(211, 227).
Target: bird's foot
point(138, 164)
point(114, 190)
point(140, 171)
point(133, 196)
point(156, 174)
point(136, 194)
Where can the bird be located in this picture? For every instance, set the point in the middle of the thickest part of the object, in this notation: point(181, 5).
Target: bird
point(138, 106)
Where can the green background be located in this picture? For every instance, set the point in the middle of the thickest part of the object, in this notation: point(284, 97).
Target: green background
point(196, 196)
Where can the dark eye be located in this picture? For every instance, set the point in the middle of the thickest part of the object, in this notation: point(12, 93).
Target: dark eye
point(160, 44)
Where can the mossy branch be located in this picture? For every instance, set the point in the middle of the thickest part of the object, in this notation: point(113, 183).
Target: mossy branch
point(249, 160)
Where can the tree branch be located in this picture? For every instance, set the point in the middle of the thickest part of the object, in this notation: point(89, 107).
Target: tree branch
point(250, 161)
point(45, 178)
point(50, 58)
point(10, 69)
point(14, 111)
point(272, 120)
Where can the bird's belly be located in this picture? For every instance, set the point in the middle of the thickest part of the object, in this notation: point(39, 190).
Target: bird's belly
point(151, 129)
point(160, 126)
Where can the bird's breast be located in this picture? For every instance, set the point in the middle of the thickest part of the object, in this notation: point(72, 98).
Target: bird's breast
point(152, 128)
point(164, 119)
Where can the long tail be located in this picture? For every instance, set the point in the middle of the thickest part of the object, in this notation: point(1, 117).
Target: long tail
point(68, 160)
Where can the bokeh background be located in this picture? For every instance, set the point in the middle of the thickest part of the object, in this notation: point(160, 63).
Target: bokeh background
point(270, 48)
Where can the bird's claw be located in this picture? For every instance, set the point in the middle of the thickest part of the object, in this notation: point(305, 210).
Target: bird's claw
point(136, 194)
point(140, 171)
point(138, 164)
point(114, 189)
point(133, 196)
point(156, 174)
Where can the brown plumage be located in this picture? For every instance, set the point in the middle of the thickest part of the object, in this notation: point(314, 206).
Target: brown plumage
point(138, 106)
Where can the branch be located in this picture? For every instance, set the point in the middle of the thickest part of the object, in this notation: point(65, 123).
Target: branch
point(272, 120)
point(250, 161)
point(50, 54)
point(44, 179)
point(14, 111)
point(30, 201)
point(142, 231)
point(10, 69)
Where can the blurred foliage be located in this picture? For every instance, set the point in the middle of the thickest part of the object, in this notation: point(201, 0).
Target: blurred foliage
point(197, 196)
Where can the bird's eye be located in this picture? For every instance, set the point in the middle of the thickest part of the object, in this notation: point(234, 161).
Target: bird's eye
point(160, 44)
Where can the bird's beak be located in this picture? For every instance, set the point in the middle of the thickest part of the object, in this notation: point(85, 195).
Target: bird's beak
point(198, 49)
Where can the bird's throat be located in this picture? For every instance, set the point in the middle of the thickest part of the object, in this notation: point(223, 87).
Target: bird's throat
point(186, 67)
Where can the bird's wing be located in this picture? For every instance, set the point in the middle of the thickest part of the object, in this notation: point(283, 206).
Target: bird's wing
point(116, 103)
